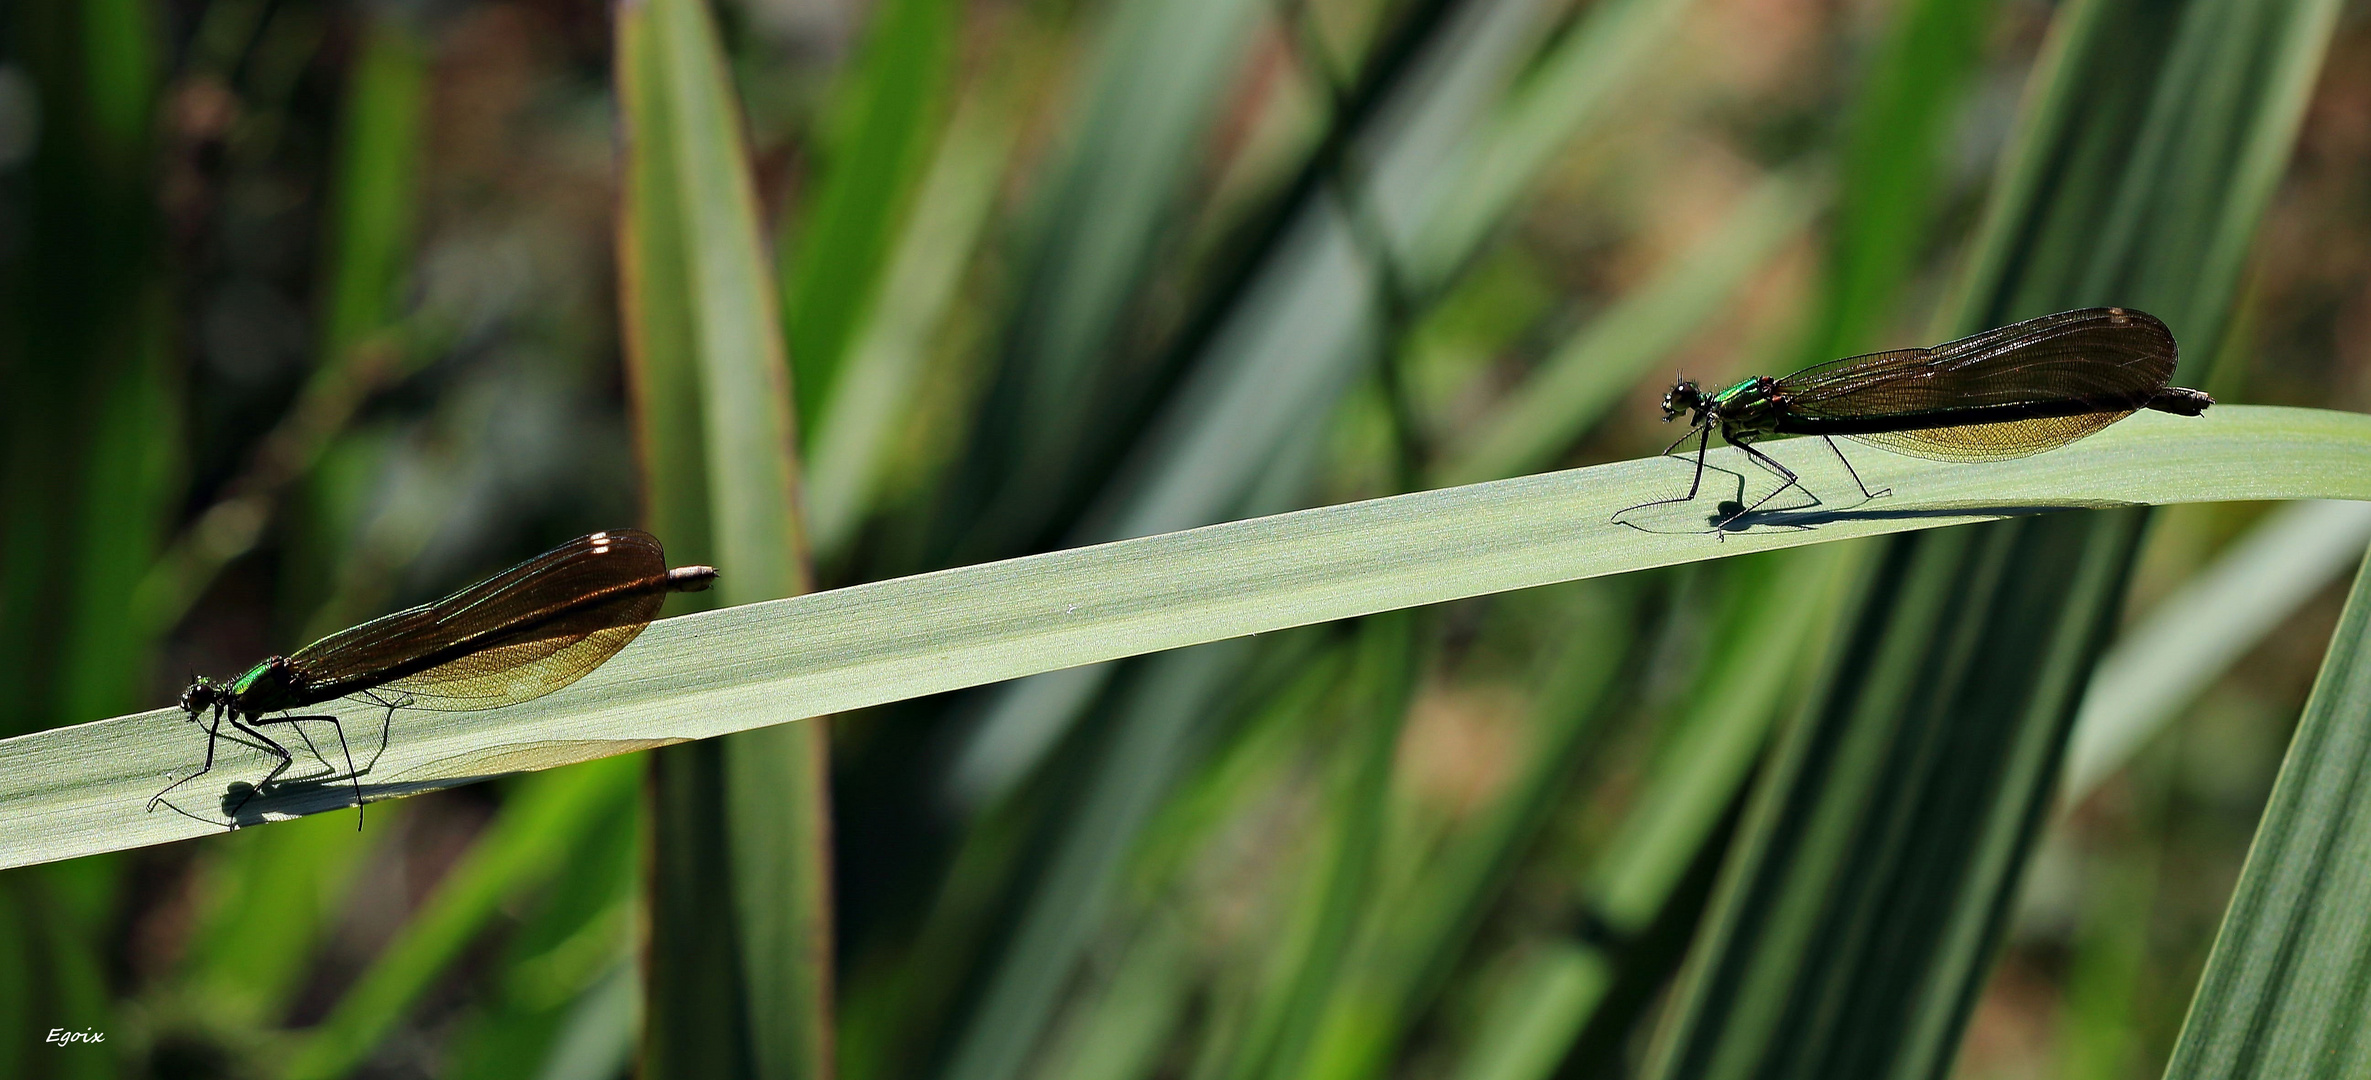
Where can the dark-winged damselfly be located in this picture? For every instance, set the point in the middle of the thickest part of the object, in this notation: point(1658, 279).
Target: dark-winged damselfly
point(520, 634)
point(2005, 393)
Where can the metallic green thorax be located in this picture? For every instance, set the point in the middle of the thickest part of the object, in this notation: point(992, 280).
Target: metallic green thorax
point(1742, 393)
point(270, 686)
point(245, 683)
point(1751, 408)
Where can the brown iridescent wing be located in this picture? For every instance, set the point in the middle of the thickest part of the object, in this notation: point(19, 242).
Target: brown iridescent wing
point(517, 635)
point(2109, 358)
point(1992, 442)
point(533, 663)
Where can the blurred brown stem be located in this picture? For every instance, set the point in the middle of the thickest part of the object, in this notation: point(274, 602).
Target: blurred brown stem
point(235, 522)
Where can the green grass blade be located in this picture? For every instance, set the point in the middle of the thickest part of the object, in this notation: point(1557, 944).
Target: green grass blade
point(376, 185)
point(2298, 38)
point(266, 900)
point(1161, 70)
point(779, 818)
point(1894, 143)
point(1415, 933)
point(83, 479)
point(1291, 1033)
point(1646, 886)
point(1105, 831)
point(1280, 362)
point(1863, 835)
point(1582, 380)
point(1276, 364)
point(379, 159)
point(871, 156)
point(1777, 617)
point(87, 460)
point(741, 824)
point(2187, 642)
point(1870, 867)
point(1121, 1035)
point(885, 360)
point(1526, 1034)
point(2283, 991)
point(597, 1042)
point(690, 982)
point(732, 333)
point(79, 790)
point(1160, 714)
point(571, 953)
point(1779, 609)
point(549, 813)
point(1570, 87)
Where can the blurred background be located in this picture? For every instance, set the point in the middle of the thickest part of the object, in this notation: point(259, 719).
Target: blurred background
point(313, 310)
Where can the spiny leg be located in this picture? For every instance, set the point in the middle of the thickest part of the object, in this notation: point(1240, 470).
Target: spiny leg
point(328, 771)
point(212, 734)
point(1703, 465)
point(351, 773)
point(1856, 475)
point(1784, 473)
point(169, 805)
point(326, 767)
point(387, 723)
point(1703, 435)
point(159, 799)
point(286, 759)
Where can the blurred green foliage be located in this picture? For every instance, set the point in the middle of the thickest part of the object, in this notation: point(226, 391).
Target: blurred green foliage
point(312, 309)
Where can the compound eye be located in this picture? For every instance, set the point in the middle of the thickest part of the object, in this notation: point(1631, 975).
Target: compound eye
point(200, 695)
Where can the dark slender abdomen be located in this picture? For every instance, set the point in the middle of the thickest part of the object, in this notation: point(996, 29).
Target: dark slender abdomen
point(2181, 401)
point(2172, 399)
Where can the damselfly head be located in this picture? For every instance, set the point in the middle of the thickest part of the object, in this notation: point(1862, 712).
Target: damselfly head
point(203, 694)
point(1684, 397)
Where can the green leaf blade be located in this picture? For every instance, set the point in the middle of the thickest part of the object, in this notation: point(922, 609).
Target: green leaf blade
point(2285, 990)
point(78, 790)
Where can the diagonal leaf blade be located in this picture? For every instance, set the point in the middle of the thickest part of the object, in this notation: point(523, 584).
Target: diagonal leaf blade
point(2283, 993)
point(78, 790)
point(738, 961)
